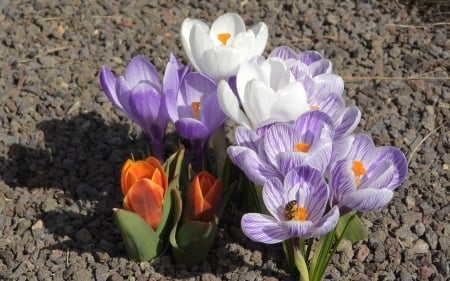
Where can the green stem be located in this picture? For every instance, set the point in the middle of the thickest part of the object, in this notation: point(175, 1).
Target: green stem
point(300, 262)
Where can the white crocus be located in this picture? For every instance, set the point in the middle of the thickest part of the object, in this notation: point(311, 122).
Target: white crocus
point(267, 92)
point(218, 52)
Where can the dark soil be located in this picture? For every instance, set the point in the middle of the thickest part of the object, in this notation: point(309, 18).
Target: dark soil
point(62, 143)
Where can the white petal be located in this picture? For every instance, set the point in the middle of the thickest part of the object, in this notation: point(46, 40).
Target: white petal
point(261, 34)
point(186, 28)
point(290, 103)
point(230, 104)
point(247, 72)
point(199, 42)
point(228, 23)
point(258, 102)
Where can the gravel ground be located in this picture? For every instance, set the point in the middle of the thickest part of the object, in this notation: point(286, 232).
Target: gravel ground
point(62, 144)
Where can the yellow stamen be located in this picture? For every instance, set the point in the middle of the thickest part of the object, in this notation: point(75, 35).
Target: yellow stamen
point(303, 147)
point(359, 170)
point(195, 107)
point(223, 37)
point(314, 107)
point(301, 214)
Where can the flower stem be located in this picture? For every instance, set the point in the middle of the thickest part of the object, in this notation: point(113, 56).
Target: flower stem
point(300, 261)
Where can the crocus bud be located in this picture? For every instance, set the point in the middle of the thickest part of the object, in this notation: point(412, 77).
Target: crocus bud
point(144, 185)
point(204, 197)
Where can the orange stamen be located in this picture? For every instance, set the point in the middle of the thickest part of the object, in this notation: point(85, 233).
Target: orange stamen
point(301, 214)
point(359, 170)
point(303, 147)
point(223, 37)
point(314, 107)
point(195, 107)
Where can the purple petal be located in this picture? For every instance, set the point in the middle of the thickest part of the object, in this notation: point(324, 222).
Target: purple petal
point(190, 128)
point(309, 57)
point(347, 122)
point(246, 137)
point(297, 228)
point(248, 161)
point(326, 223)
point(274, 198)
point(108, 83)
point(145, 103)
point(284, 52)
point(341, 181)
point(314, 125)
point(210, 112)
point(399, 161)
point(322, 66)
point(140, 69)
point(378, 175)
point(279, 138)
point(263, 228)
point(123, 93)
point(367, 199)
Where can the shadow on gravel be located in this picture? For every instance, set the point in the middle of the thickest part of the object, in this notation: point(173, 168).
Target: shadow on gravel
point(429, 11)
point(80, 158)
point(76, 164)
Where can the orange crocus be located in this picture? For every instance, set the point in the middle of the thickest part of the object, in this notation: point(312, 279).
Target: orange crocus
point(204, 197)
point(144, 185)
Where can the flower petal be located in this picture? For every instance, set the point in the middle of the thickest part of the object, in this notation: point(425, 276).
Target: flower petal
point(326, 223)
point(274, 198)
point(186, 28)
point(261, 35)
point(263, 228)
point(227, 23)
point(367, 199)
point(190, 128)
point(297, 228)
point(230, 104)
point(108, 83)
point(140, 69)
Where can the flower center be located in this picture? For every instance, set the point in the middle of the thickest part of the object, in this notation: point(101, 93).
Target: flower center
point(303, 147)
point(359, 170)
point(314, 107)
point(292, 212)
point(195, 107)
point(223, 37)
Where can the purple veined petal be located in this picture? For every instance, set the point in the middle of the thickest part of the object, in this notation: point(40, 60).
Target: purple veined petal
point(284, 53)
point(341, 149)
point(210, 112)
point(108, 83)
point(145, 103)
point(399, 162)
point(332, 105)
point(288, 160)
point(248, 161)
point(279, 137)
point(341, 181)
point(312, 192)
point(319, 67)
point(123, 92)
point(379, 175)
point(140, 69)
point(246, 137)
point(367, 199)
point(319, 155)
point(263, 228)
point(363, 149)
point(301, 73)
point(308, 57)
point(297, 228)
point(326, 84)
point(274, 198)
point(348, 122)
point(326, 223)
point(314, 125)
point(190, 128)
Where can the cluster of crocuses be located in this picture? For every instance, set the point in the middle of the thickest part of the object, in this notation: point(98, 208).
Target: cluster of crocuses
point(294, 139)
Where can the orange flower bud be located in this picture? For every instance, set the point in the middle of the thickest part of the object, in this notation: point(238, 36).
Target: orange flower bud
point(204, 195)
point(149, 168)
point(144, 185)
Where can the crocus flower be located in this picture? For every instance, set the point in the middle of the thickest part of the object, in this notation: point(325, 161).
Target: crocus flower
point(204, 197)
point(296, 206)
point(140, 96)
point(195, 111)
point(144, 185)
point(218, 52)
point(274, 150)
point(266, 93)
point(362, 176)
point(324, 89)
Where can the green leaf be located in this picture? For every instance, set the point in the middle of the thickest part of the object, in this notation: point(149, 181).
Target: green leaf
point(193, 242)
point(230, 179)
point(142, 243)
point(351, 228)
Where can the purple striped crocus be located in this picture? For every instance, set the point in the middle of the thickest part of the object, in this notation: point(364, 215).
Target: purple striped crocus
point(140, 95)
point(272, 151)
point(296, 206)
point(362, 176)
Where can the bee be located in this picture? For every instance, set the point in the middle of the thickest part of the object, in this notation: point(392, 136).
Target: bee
point(290, 209)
